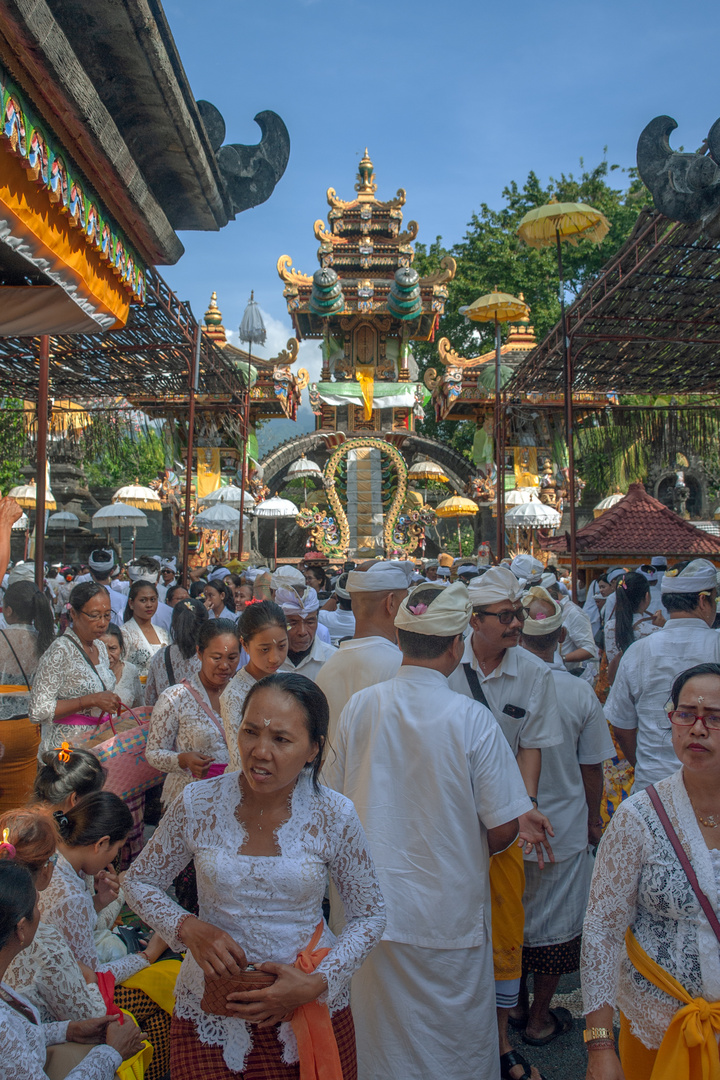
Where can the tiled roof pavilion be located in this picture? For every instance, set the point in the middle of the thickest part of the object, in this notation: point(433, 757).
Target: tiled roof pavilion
point(638, 526)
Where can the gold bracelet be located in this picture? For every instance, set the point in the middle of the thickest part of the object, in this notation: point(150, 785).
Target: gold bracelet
point(592, 1033)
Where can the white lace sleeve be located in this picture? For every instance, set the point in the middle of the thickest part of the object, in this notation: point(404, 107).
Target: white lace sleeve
point(162, 736)
point(23, 1048)
point(107, 916)
point(152, 689)
point(50, 978)
point(612, 907)
point(72, 913)
point(353, 875)
point(157, 865)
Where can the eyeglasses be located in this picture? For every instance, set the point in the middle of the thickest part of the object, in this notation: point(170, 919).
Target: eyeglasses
point(681, 718)
point(97, 616)
point(505, 617)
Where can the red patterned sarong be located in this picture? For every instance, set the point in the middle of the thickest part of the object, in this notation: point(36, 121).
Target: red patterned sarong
point(190, 1058)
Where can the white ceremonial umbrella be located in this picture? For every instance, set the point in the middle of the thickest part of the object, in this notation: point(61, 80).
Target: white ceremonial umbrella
point(63, 520)
point(276, 508)
point(605, 504)
point(118, 515)
point(532, 515)
point(519, 496)
point(139, 496)
point(220, 517)
point(231, 495)
point(301, 469)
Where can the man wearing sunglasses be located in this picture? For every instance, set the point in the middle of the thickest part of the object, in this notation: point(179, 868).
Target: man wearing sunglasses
point(521, 696)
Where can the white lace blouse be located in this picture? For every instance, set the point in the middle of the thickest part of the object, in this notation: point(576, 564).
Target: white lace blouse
point(157, 679)
point(231, 706)
point(128, 687)
point(642, 627)
point(23, 1046)
point(49, 976)
point(138, 649)
point(62, 673)
point(67, 904)
point(638, 882)
point(179, 725)
point(270, 905)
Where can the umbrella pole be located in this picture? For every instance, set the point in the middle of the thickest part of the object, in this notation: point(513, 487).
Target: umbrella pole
point(275, 523)
point(63, 554)
point(244, 464)
point(569, 431)
point(134, 538)
point(42, 431)
point(499, 473)
point(194, 376)
point(120, 539)
point(460, 551)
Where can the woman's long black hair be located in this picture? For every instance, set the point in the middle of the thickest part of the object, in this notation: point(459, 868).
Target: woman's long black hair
point(631, 591)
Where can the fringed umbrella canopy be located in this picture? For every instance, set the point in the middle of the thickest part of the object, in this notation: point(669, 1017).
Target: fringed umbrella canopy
point(520, 496)
point(63, 520)
point(302, 468)
point(143, 498)
point(118, 515)
point(572, 221)
point(231, 495)
point(252, 327)
point(457, 506)
point(219, 516)
point(533, 515)
point(21, 523)
point(276, 508)
point(605, 504)
point(26, 495)
point(427, 470)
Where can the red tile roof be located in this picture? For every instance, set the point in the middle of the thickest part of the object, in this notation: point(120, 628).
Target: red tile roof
point(638, 525)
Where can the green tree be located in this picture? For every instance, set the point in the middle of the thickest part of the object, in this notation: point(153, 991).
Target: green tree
point(491, 254)
point(12, 441)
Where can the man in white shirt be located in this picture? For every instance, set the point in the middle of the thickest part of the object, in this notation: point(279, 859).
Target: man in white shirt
point(521, 696)
point(636, 703)
point(569, 792)
point(306, 652)
point(168, 575)
point(372, 656)
point(437, 790)
point(578, 648)
point(101, 562)
point(336, 614)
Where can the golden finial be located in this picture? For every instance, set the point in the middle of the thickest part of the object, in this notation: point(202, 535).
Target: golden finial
point(213, 316)
point(366, 186)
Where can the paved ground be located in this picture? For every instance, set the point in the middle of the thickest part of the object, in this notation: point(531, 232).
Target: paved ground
point(565, 1058)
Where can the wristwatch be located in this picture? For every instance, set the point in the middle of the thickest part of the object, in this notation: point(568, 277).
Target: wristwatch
point(593, 1033)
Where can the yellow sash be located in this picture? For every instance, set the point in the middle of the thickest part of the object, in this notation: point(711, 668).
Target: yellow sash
point(689, 1050)
point(158, 982)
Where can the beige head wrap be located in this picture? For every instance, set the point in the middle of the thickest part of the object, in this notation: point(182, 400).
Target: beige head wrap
point(698, 576)
point(447, 615)
point(498, 583)
point(541, 623)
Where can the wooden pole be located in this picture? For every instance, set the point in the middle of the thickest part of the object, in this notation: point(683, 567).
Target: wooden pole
point(42, 419)
point(194, 379)
point(569, 429)
point(501, 490)
point(244, 463)
point(499, 470)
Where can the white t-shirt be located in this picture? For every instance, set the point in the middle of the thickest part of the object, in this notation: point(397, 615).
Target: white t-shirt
point(428, 772)
point(517, 685)
point(356, 664)
point(642, 687)
point(586, 741)
point(313, 660)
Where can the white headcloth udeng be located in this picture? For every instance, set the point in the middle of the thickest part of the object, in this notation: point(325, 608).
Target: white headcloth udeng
point(295, 602)
point(447, 615)
point(698, 575)
point(287, 576)
point(541, 623)
point(498, 583)
point(381, 577)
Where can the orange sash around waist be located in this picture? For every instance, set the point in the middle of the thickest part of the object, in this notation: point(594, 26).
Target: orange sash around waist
point(689, 1050)
point(317, 1048)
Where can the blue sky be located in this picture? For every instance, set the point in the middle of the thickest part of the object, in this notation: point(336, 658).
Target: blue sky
point(453, 100)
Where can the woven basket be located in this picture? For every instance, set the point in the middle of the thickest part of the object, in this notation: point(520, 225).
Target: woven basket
point(217, 988)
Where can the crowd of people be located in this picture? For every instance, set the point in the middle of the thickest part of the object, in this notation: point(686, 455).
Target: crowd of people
point(380, 833)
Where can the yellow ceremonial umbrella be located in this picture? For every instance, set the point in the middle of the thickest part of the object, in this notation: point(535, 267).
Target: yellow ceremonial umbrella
point(25, 495)
point(139, 496)
point(541, 227)
point(456, 507)
point(498, 307)
point(427, 470)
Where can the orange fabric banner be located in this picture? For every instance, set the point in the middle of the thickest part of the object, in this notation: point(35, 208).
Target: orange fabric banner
point(49, 235)
point(317, 1048)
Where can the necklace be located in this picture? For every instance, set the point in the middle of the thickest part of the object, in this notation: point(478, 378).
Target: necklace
point(710, 822)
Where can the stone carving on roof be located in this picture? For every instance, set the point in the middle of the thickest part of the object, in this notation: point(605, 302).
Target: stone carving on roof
point(684, 187)
point(250, 173)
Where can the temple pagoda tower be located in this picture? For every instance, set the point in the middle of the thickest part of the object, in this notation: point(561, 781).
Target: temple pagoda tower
point(366, 304)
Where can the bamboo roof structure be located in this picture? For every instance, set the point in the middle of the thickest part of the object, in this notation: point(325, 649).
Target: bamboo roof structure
point(649, 323)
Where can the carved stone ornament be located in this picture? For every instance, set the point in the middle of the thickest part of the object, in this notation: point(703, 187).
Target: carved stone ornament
point(250, 173)
point(685, 187)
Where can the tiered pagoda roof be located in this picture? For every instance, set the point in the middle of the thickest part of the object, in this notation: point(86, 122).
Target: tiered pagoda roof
point(638, 526)
point(366, 268)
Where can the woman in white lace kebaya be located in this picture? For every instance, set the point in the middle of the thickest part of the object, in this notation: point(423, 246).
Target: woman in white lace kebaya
point(179, 660)
point(648, 946)
point(28, 633)
point(25, 1041)
point(186, 739)
point(263, 633)
point(46, 972)
point(127, 676)
point(629, 620)
point(142, 638)
point(264, 841)
point(73, 683)
point(91, 834)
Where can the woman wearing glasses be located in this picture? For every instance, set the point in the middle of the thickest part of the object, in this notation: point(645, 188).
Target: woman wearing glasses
point(74, 684)
point(651, 940)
